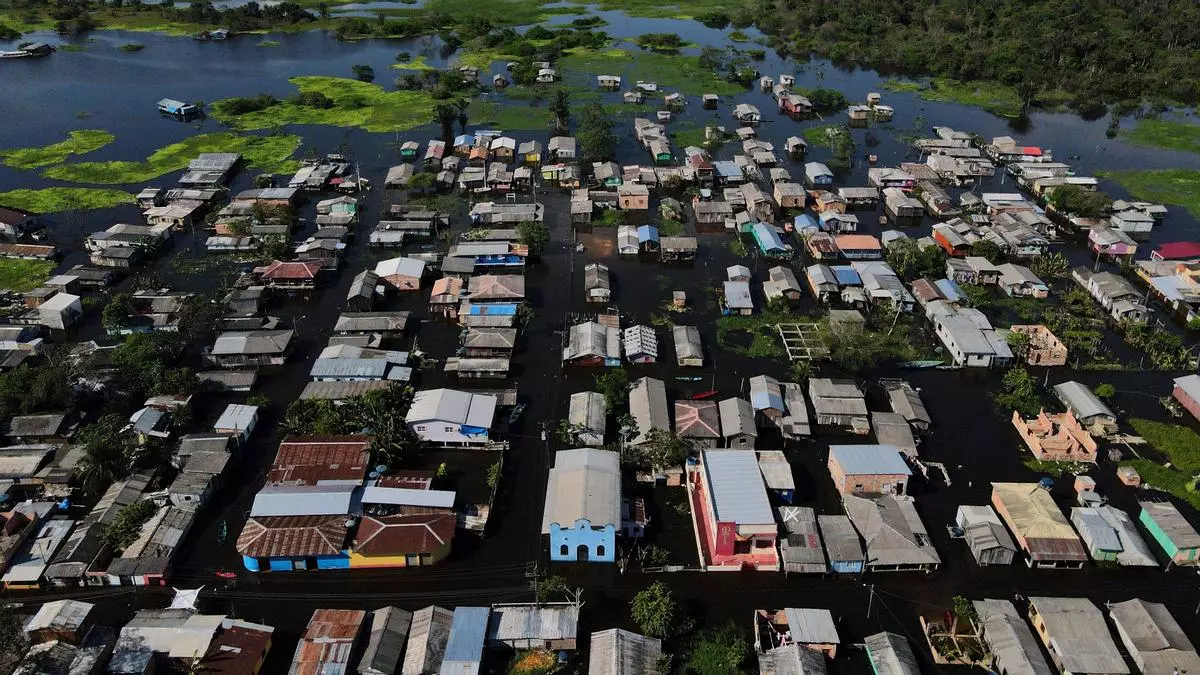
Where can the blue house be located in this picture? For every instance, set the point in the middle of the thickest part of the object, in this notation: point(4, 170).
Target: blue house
point(464, 648)
point(647, 238)
point(818, 174)
point(768, 241)
point(805, 223)
point(298, 527)
point(169, 106)
point(583, 506)
point(842, 545)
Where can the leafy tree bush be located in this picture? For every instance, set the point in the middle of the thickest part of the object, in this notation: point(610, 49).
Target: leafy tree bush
point(654, 610)
point(720, 651)
point(1018, 391)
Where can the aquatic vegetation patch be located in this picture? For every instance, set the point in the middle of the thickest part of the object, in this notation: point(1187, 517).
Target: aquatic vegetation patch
point(79, 142)
point(1166, 186)
point(268, 43)
point(271, 154)
point(415, 64)
point(673, 72)
point(24, 275)
point(994, 97)
point(509, 117)
point(355, 104)
point(132, 47)
point(58, 199)
point(1172, 134)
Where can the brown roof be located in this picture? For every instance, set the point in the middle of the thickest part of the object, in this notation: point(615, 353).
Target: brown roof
point(447, 286)
point(292, 536)
point(11, 216)
point(236, 651)
point(329, 639)
point(404, 534)
point(291, 270)
point(38, 250)
point(413, 479)
point(304, 460)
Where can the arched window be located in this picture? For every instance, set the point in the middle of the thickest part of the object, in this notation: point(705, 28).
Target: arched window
point(562, 550)
point(600, 551)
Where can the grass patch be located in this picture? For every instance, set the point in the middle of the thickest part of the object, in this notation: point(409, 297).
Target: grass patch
point(268, 43)
point(356, 104)
point(269, 154)
point(132, 47)
point(670, 228)
point(1169, 134)
point(1052, 468)
point(687, 134)
point(79, 142)
point(1167, 186)
point(24, 275)
point(509, 117)
point(996, 98)
point(671, 71)
point(418, 63)
point(739, 36)
point(1180, 446)
point(816, 135)
point(763, 341)
point(58, 199)
point(71, 48)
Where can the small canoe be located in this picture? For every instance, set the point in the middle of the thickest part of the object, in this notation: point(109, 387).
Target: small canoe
point(704, 394)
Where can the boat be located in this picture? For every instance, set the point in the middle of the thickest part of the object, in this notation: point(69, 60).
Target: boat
point(516, 413)
point(225, 574)
point(704, 394)
point(688, 378)
point(28, 51)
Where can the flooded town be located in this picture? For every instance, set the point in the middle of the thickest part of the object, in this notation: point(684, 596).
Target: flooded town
point(438, 338)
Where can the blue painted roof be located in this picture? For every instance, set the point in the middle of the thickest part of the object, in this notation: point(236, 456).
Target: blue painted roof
point(949, 289)
point(846, 275)
point(869, 460)
point(765, 400)
point(647, 233)
point(767, 238)
point(467, 633)
point(464, 139)
point(804, 220)
point(494, 310)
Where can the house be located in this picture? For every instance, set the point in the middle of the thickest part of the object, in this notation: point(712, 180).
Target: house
point(1074, 633)
point(364, 289)
point(500, 288)
point(1171, 531)
point(1038, 526)
point(60, 312)
point(1018, 281)
point(900, 207)
point(627, 240)
point(1013, 648)
point(583, 505)
point(892, 531)
point(817, 174)
point(592, 344)
point(789, 195)
point(840, 404)
point(1083, 403)
point(812, 630)
point(859, 246)
point(737, 423)
point(648, 241)
point(449, 417)
point(766, 397)
point(747, 113)
point(1186, 391)
point(388, 631)
point(678, 248)
point(403, 526)
point(1044, 348)
point(890, 654)
point(1111, 243)
point(238, 349)
point(210, 169)
point(699, 422)
point(162, 635)
point(907, 402)
point(587, 417)
point(633, 197)
point(64, 620)
point(488, 342)
point(735, 523)
point(238, 421)
point(1056, 437)
point(868, 469)
point(290, 275)
point(777, 475)
point(398, 176)
point(736, 299)
point(1153, 637)
point(597, 286)
point(892, 429)
point(464, 648)
point(842, 544)
point(640, 343)
point(427, 637)
point(551, 626)
point(1115, 294)
point(1110, 534)
point(968, 336)
point(530, 152)
point(15, 222)
point(386, 324)
point(621, 652)
point(688, 350)
point(801, 548)
point(331, 639)
point(648, 406)
point(83, 555)
point(985, 535)
point(1177, 250)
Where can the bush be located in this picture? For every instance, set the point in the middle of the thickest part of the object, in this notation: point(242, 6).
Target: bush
point(718, 20)
point(241, 105)
point(363, 73)
point(313, 99)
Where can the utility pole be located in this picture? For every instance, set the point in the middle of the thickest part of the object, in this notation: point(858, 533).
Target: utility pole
point(533, 574)
point(870, 599)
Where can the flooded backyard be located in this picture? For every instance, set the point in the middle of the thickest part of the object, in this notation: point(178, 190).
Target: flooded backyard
point(101, 87)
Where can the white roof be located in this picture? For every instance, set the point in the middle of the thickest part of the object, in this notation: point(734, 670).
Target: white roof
point(59, 302)
point(408, 267)
point(303, 500)
point(237, 417)
point(736, 487)
point(452, 405)
point(373, 494)
point(811, 626)
point(584, 483)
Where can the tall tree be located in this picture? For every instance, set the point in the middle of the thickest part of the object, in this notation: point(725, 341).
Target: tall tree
point(535, 235)
point(654, 610)
point(445, 115)
point(560, 107)
point(595, 134)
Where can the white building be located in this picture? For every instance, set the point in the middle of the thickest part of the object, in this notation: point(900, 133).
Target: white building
point(451, 417)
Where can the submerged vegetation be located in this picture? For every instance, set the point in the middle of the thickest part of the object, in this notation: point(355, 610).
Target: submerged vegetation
point(79, 142)
point(24, 275)
point(59, 199)
point(1180, 448)
point(1166, 186)
point(1172, 134)
point(354, 104)
point(266, 153)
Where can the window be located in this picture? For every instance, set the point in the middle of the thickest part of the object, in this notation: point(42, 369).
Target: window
point(600, 551)
point(420, 427)
point(562, 550)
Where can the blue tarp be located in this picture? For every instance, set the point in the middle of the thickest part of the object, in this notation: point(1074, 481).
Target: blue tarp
point(846, 275)
point(494, 310)
point(768, 239)
point(472, 431)
point(508, 260)
point(464, 139)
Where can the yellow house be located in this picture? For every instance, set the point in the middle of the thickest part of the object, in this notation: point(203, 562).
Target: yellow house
point(403, 540)
point(531, 152)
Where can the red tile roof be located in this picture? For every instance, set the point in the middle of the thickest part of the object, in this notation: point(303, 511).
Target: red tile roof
point(305, 460)
point(291, 270)
point(412, 479)
point(404, 534)
point(292, 536)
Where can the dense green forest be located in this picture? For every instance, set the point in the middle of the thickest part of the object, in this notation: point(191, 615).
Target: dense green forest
point(1101, 51)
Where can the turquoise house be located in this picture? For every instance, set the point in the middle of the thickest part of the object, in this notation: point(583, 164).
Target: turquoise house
point(1173, 533)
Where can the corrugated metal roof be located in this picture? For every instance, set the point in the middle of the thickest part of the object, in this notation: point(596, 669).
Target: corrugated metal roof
point(510, 623)
point(452, 405)
point(303, 500)
point(791, 659)
point(859, 460)
point(237, 417)
point(811, 626)
point(328, 642)
point(776, 471)
point(621, 652)
point(464, 649)
point(374, 494)
point(1007, 635)
point(890, 654)
point(1080, 637)
point(385, 648)
point(427, 640)
point(736, 487)
point(892, 530)
point(1172, 523)
point(648, 405)
point(765, 393)
point(584, 483)
point(1082, 401)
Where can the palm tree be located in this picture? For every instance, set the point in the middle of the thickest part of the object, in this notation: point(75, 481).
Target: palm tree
point(560, 106)
point(463, 118)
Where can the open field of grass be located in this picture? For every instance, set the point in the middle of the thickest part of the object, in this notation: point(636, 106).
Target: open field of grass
point(1181, 448)
point(509, 116)
point(58, 199)
point(24, 275)
point(79, 142)
point(270, 154)
point(356, 104)
point(1180, 187)
point(993, 97)
point(672, 72)
point(1172, 134)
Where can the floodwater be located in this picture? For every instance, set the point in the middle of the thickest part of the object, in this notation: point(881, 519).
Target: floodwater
point(104, 88)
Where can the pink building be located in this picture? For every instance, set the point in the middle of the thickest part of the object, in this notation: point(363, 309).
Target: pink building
point(1056, 438)
point(1187, 392)
point(735, 526)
